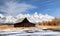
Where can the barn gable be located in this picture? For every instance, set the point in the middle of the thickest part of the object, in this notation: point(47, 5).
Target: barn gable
point(24, 23)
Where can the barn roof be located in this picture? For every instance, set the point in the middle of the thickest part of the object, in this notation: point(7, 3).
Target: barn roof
point(25, 20)
point(24, 23)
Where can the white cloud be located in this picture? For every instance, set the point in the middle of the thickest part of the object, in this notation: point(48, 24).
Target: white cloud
point(13, 8)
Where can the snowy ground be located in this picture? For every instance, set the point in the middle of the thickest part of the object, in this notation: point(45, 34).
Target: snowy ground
point(40, 32)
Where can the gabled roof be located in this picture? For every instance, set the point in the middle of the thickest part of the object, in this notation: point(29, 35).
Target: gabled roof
point(25, 20)
point(22, 20)
point(24, 23)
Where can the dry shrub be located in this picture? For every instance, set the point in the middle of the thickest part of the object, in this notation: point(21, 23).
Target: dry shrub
point(53, 22)
point(48, 23)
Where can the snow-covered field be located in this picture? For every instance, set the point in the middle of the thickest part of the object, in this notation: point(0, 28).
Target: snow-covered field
point(40, 32)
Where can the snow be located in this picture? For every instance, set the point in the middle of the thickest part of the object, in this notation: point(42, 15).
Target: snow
point(20, 16)
point(34, 18)
point(10, 19)
point(2, 18)
point(22, 32)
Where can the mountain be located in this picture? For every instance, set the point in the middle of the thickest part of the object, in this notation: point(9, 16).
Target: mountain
point(10, 19)
point(34, 18)
point(2, 18)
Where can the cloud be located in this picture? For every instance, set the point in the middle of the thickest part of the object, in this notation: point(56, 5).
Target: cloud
point(13, 8)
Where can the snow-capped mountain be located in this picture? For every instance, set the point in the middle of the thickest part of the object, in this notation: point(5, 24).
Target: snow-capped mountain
point(7, 19)
point(19, 16)
point(2, 18)
point(10, 19)
point(34, 18)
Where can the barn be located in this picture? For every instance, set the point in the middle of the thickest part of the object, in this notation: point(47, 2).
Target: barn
point(24, 23)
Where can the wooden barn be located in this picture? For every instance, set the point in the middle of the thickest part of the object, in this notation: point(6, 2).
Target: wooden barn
point(24, 23)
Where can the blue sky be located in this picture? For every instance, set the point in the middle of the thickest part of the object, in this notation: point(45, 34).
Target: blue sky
point(14, 7)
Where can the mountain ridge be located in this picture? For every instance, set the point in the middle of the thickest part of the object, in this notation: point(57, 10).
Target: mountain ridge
point(34, 18)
